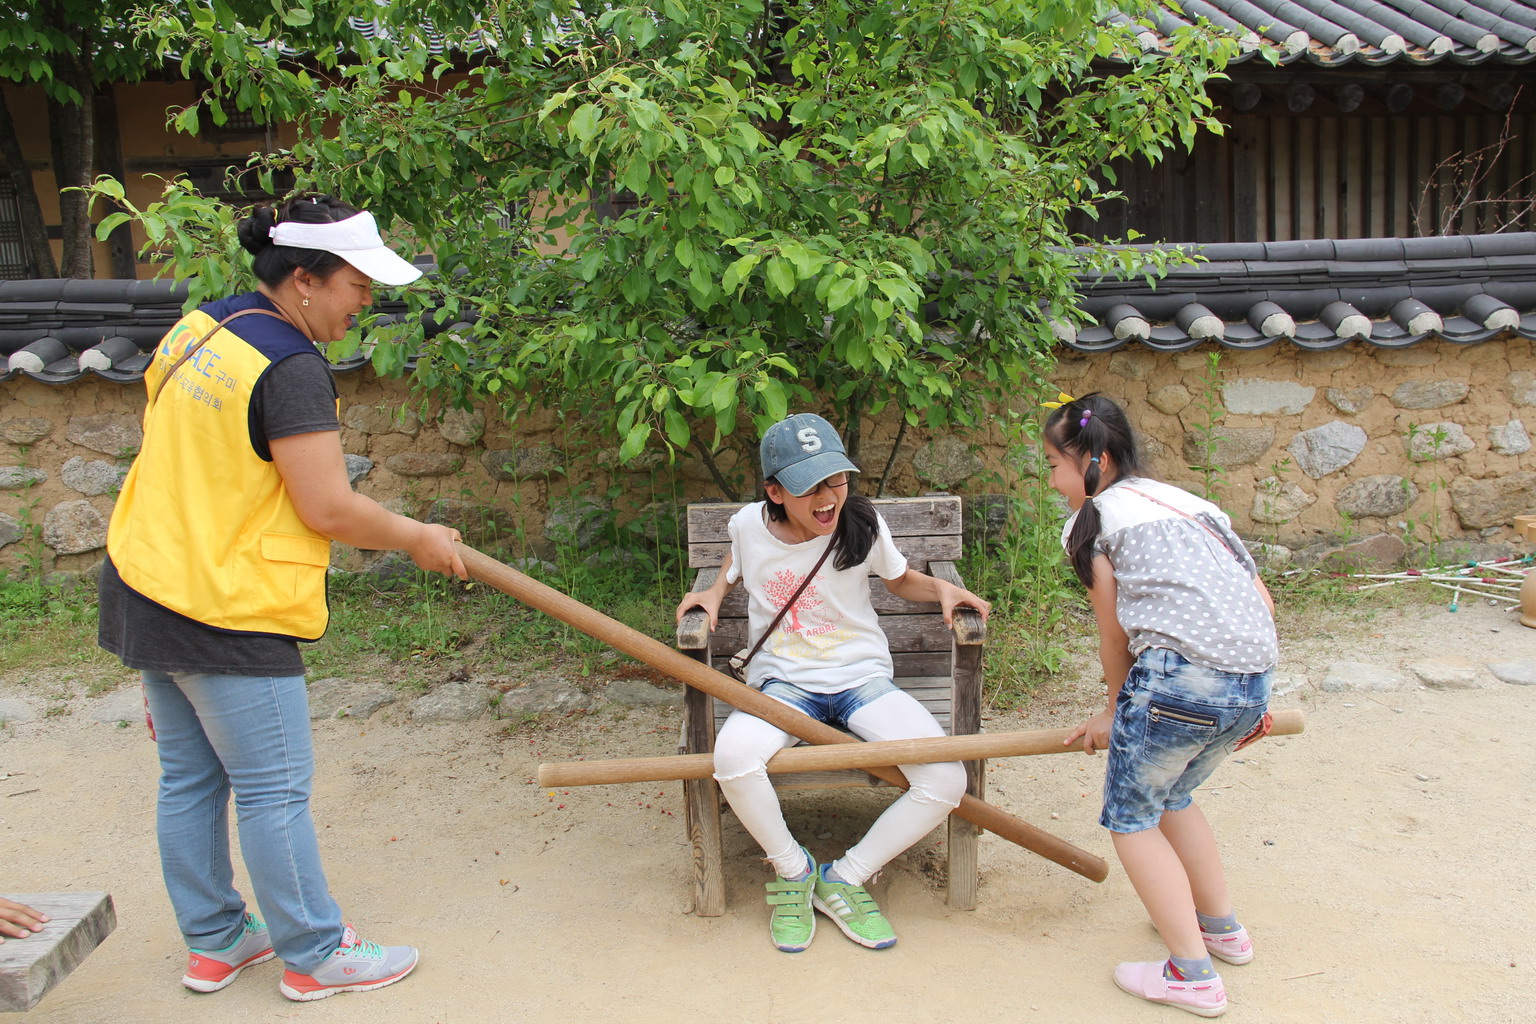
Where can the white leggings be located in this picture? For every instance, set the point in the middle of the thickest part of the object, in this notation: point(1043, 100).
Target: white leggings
point(746, 743)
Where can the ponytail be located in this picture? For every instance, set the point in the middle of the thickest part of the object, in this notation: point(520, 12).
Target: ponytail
point(1087, 429)
point(272, 263)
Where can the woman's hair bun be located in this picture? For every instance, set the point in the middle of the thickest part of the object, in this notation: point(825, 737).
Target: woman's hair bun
point(256, 229)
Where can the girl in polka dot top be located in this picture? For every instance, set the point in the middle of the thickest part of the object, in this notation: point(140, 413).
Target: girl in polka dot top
point(1187, 642)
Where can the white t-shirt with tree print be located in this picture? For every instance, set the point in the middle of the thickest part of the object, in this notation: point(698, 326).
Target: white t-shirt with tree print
point(830, 640)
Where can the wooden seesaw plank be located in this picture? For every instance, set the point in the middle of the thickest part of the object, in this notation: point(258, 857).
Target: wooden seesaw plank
point(29, 967)
point(833, 757)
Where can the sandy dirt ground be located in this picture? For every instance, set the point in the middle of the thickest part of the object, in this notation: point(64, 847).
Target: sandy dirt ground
point(1382, 861)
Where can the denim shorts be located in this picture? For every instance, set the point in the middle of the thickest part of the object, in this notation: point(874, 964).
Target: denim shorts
point(832, 708)
point(1174, 723)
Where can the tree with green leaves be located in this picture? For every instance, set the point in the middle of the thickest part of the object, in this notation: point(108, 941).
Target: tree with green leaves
point(666, 217)
point(71, 50)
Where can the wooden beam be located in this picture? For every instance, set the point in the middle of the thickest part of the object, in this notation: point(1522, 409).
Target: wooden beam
point(1299, 97)
point(1347, 97)
point(682, 668)
point(78, 922)
point(1448, 96)
point(1245, 96)
point(1497, 96)
point(980, 746)
point(1397, 97)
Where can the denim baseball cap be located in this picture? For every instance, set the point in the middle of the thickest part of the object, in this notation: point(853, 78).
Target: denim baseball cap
point(802, 451)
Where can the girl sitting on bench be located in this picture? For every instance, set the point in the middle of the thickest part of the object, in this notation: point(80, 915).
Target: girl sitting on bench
point(805, 553)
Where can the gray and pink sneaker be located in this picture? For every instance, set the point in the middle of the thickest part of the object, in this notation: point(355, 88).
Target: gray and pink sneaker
point(355, 966)
point(1207, 997)
point(209, 970)
point(1233, 947)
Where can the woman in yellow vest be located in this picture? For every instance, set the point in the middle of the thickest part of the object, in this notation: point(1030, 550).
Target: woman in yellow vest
point(215, 570)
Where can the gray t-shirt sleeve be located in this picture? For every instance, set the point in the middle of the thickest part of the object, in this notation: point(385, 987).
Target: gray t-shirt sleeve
point(297, 396)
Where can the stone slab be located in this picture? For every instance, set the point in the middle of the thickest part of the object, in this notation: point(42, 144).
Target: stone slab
point(1521, 672)
point(338, 697)
point(1351, 676)
point(1446, 673)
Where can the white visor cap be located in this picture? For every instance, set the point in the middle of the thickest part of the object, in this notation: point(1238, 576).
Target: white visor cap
point(356, 240)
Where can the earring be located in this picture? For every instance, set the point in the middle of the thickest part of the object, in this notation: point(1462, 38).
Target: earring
point(306, 300)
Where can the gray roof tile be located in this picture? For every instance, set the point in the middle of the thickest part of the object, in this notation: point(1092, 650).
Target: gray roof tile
point(1461, 279)
point(1331, 33)
point(1438, 276)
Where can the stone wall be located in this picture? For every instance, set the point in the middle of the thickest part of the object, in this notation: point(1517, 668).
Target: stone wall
point(1422, 443)
point(1313, 449)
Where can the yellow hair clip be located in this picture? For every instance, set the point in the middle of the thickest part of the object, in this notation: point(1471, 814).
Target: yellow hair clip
point(1062, 398)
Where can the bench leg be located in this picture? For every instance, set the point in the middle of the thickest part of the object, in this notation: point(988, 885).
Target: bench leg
point(701, 807)
point(964, 842)
point(965, 712)
point(702, 802)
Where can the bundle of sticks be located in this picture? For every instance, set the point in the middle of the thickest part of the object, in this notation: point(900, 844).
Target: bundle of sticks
point(1497, 579)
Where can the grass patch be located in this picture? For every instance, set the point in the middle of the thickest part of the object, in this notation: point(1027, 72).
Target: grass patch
point(1039, 611)
point(49, 626)
point(418, 628)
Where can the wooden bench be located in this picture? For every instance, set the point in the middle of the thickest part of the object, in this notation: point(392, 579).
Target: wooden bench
point(940, 667)
point(29, 967)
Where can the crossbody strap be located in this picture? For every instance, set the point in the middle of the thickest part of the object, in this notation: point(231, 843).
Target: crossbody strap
point(740, 666)
point(1219, 539)
point(189, 353)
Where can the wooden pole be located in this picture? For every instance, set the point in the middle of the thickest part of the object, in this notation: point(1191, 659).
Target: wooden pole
point(683, 668)
point(980, 746)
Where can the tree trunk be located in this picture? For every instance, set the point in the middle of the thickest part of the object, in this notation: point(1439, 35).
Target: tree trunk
point(72, 131)
point(109, 146)
point(34, 230)
point(890, 463)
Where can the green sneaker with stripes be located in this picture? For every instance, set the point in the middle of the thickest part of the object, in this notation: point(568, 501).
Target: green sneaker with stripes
point(852, 909)
point(793, 923)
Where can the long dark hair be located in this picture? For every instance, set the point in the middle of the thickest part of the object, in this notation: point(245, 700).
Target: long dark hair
point(857, 526)
point(1087, 428)
point(273, 263)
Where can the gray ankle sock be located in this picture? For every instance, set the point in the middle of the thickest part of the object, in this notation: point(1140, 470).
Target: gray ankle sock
point(1189, 970)
point(805, 870)
point(1218, 925)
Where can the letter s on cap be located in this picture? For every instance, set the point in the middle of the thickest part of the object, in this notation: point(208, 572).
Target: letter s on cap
point(810, 441)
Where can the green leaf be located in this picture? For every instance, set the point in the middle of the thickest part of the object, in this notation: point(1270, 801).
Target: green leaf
point(677, 427)
point(781, 277)
point(737, 272)
point(634, 441)
point(723, 396)
point(842, 292)
point(110, 223)
point(583, 123)
point(775, 402)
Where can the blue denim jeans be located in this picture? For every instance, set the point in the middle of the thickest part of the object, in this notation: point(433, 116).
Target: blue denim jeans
point(832, 708)
point(250, 734)
point(1175, 721)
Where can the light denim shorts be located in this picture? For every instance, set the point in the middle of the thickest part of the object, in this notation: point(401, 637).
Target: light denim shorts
point(832, 708)
point(1174, 723)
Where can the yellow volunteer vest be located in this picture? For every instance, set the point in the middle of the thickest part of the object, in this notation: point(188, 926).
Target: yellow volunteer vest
point(203, 524)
